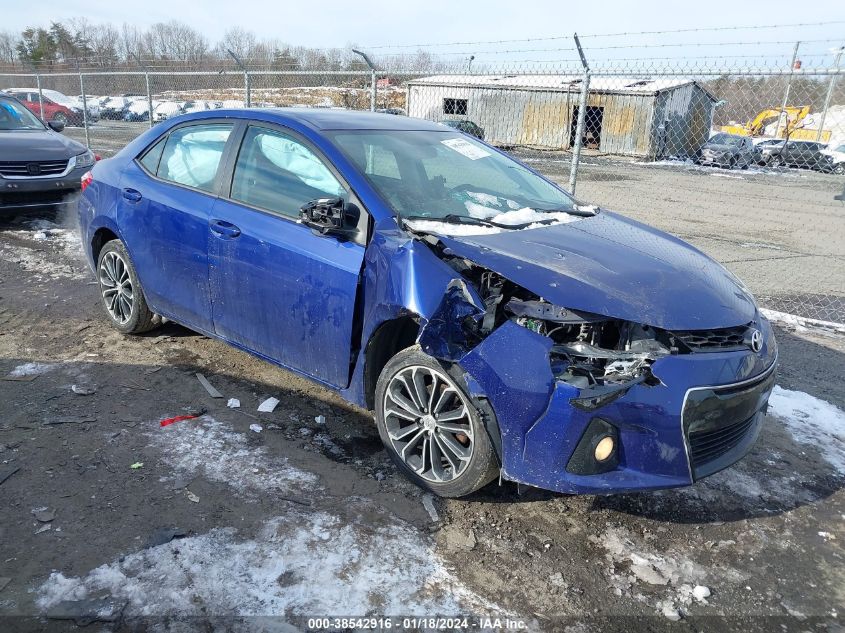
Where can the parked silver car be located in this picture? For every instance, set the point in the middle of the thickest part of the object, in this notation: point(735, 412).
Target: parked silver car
point(728, 150)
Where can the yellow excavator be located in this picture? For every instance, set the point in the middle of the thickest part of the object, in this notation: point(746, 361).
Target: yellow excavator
point(757, 126)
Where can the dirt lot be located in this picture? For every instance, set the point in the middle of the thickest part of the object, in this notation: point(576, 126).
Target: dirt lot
point(308, 518)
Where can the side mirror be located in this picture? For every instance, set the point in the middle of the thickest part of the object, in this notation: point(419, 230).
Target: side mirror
point(56, 126)
point(330, 216)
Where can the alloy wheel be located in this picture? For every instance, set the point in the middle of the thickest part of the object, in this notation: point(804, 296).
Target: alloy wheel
point(428, 422)
point(116, 287)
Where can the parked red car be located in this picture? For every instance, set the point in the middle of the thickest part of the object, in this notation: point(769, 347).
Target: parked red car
point(57, 107)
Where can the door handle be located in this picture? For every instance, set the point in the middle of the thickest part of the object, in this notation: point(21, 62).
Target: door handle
point(133, 195)
point(224, 229)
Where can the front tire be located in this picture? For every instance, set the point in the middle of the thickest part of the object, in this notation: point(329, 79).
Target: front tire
point(120, 289)
point(431, 427)
point(839, 168)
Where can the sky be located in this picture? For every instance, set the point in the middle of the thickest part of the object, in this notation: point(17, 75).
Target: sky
point(337, 23)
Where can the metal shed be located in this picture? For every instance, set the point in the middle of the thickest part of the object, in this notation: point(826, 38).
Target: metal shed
point(653, 118)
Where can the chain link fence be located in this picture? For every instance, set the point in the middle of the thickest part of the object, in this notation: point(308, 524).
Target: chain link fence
point(745, 163)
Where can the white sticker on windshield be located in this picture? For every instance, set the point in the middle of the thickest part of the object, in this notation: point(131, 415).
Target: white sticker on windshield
point(462, 146)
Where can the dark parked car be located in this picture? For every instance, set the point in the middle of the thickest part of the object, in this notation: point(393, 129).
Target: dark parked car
point(115, 108)
point(495, 326)
point(728, 150)
point(467, 127)
point(802, 154)
point(38, 166)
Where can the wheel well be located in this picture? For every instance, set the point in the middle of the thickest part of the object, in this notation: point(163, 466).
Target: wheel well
point(99, 240)
point(390, 338)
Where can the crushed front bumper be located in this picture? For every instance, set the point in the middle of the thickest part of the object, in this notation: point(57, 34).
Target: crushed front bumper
point(703, 416)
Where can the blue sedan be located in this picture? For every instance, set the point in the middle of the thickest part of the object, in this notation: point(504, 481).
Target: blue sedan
point(495, 326)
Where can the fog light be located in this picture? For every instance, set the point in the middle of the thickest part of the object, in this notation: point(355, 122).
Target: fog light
point(604, 449)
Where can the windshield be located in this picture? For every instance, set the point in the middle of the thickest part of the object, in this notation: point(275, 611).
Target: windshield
point(429, 175)
point(15, 116)
point(726, 139)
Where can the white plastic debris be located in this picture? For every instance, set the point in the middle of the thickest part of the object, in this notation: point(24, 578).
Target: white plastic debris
point(208, 387)
point(428, 504)
point(320, 419)
point(701, 593)
point(269, 405)
point(233, 403)
point(671, 613)
point(82, 390)
point(257, 428)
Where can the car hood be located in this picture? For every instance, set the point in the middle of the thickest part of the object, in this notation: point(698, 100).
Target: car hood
point(614, 266)
point(32, 145)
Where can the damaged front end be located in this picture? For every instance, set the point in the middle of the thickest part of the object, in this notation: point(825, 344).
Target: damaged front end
point(584, 402)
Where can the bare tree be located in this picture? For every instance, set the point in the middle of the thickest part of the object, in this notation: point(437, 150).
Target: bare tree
point(240, 41)
point(8, 44)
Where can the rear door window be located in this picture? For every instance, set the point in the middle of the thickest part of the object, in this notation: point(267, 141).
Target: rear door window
point(276, 172)
point(192, 154)
point(151, 158)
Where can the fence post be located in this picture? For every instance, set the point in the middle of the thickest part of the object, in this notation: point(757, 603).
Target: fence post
point(788, 87)
point(247, 91)
point(40, 94)
point(147, 82)
point(829, 92)
point(372, 78)
point(84, 107)
point(582, 114)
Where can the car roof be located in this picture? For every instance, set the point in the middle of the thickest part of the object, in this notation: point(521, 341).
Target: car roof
point(336, 119)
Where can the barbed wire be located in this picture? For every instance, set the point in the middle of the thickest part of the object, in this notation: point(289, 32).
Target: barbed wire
point(594, 35)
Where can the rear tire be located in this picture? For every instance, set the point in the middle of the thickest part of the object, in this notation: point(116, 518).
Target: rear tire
point(432, 428)
point(121, 292)
point(839, 168)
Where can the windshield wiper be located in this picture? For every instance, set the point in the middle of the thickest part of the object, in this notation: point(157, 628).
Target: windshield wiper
point(454, 218)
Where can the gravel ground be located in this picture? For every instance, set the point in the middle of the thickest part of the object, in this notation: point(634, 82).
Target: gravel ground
point(307, 517)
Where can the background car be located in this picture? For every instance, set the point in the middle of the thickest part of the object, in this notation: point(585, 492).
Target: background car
point(57, 107)
point(465, 126)
point(114, 108)
point(837, 156)
point(168, 109)
point(38, 166)
point(801, 154)
point(728, 150)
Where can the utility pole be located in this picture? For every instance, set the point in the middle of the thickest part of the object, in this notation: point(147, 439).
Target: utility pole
point(830, 87)
point(372, 78)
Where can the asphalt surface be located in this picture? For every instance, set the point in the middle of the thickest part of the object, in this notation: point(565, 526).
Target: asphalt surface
point(780, 230)
point(307, 517)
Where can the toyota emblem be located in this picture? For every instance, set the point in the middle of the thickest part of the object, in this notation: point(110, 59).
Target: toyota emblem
point(756, 340)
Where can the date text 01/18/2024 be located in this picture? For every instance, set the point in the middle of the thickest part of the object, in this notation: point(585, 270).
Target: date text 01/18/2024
point(417, 623)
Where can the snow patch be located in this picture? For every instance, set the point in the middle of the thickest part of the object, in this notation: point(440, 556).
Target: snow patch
point(518, 217)
point(31, 369)
point(813, 422)
point(209, 448)
point(300, 564)
point(799, 322)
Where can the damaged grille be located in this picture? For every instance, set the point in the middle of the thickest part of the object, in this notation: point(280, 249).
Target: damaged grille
point(722, 423)
point(22, 168)
point(713, 340)
point(707, 446)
